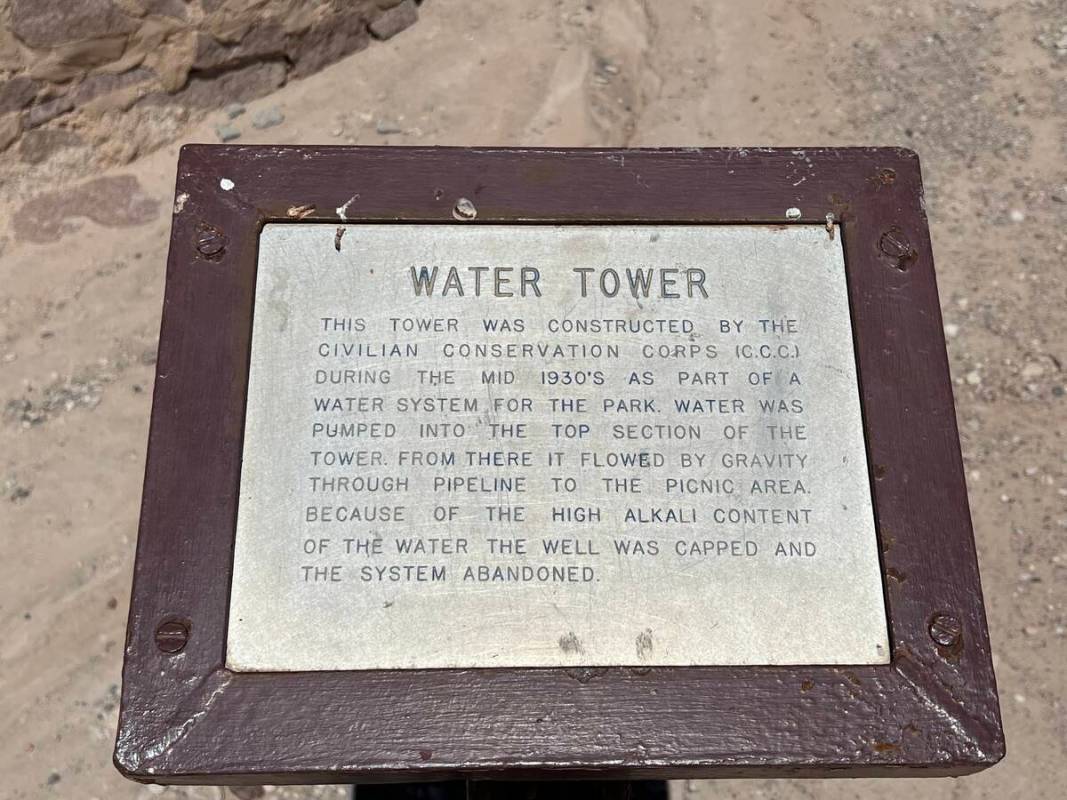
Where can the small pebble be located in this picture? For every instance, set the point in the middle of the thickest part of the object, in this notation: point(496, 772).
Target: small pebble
point(226, 132)
point(234, 110)
point(1020, 698)
point(1016, 215)
point(384, 127)
point(952, 330)
point(267, 118)
point(1033, 370)
point(973, 377)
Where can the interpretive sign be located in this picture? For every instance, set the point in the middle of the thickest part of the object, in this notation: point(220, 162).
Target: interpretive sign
point(552, 464)
point(553, 445)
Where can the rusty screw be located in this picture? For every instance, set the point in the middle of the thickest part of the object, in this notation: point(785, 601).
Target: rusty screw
point(946, 630)
point(897, 246)
point(464, 209)
point(210, 241)
point(172, 636)
point(886, 177)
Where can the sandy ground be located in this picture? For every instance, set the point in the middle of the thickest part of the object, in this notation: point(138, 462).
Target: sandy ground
point(979, 89)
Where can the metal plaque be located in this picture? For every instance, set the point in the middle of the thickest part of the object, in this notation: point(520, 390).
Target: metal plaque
point(526, 445)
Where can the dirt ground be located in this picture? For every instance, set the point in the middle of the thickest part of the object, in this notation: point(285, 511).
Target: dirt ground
point(978, 89)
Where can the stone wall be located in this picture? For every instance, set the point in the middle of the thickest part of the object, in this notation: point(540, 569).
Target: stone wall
point(65, 60)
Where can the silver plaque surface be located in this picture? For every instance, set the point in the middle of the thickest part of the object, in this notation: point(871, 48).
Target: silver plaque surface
point(500, 445)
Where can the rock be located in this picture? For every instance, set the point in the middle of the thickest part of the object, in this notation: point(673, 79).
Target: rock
point(173, 60)
point(211, 6)
point(384, 127)
point(300, 20)
point(119, 100)
point(233, 110)
point(10, 52)
point(327, 40)
point(1017, 215)
point(240, 85)
point(45, 112)
point(10, 127)
point(973, 378)
point(105, 82)
point(267, 118)
point(261, 43)
point(952, 330)
point(167, 8)
point(226, 132)
point(37, 145)
point(44, 24)
point(71, 60)
point(393, 20)
point(236, 85)
point(17, 93)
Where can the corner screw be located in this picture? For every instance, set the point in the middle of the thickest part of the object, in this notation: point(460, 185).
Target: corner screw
point(172, 636)
point(946, 630)
point(464, 209)
point(210, 241)
point(885, 177)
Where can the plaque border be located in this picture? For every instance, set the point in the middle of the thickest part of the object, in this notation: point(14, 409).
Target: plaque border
point(185, 718)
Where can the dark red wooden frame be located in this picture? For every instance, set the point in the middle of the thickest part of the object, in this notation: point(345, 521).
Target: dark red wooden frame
point(187, 719)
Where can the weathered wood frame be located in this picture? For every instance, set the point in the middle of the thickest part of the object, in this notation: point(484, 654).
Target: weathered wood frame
point(187, 719)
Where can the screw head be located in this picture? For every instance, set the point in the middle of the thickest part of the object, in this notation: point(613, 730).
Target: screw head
point(210, 241)
point(172, 636)
point(885, 176)
point(464, 209)
point(946, 630)
point(896, 245)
